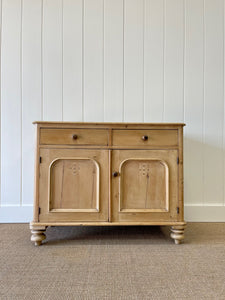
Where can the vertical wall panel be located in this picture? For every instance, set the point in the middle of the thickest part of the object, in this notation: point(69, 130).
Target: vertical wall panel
point(154, 54)
point(133, 60)
point(173, 59)
point(113, 60)
point(11, 103)
point(31, 90)
point(0, 89)
point(224, 103)
point(72, 59)
point(93, 60)
point(214, 97)
point(193, 100)
point(52, 60)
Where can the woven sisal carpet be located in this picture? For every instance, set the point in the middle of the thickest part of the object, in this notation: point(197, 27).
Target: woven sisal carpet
point(113, 263)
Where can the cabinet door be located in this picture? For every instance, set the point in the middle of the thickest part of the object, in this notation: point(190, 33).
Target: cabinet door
point(144, 185)
point(73, 185)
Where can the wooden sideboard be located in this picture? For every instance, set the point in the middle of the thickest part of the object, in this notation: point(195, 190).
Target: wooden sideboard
point(108, 174)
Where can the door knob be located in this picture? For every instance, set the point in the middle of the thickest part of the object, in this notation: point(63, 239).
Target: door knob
point(145, 138)
point(115, 174)
point(75, 136)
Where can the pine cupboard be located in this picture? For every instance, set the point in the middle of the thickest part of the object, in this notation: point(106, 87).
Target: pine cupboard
point(108, 174)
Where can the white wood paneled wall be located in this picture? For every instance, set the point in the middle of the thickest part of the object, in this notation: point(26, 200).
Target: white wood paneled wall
point(114, 60)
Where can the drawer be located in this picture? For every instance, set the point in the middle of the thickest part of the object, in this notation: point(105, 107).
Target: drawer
point(145, 137)
point(73, 136)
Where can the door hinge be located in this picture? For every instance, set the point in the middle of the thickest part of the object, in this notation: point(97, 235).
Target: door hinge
point(178, 210)
point(178, 160)
point(40, 159)
point(39, 210)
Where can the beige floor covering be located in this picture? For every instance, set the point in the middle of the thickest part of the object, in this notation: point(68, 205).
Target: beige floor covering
point(113, 263)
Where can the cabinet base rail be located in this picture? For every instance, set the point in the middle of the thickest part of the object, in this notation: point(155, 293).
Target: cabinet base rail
point(38, 229)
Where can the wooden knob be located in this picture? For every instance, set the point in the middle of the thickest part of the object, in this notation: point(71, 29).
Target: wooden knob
point(115, 174)
point(145, 138)
point(75, 136)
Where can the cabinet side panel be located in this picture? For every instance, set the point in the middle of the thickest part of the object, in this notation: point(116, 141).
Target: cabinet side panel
point(180, 177)
point(36, 175)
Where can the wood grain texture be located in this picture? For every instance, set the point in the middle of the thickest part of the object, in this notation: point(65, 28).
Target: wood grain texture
point(144, 185)
point(129, 200)
point(78, 185)
point(112, 125)
point(177, 233)
point(74, 185)
point(36, 174)
point(80, 199)
point(180, 163)
point(110, 187)
point(74, 136)
point(145, 137)
point(153, 223)
point(37, 234)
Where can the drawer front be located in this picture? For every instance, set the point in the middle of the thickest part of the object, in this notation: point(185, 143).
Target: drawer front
point(145, 137)
point(51, 136)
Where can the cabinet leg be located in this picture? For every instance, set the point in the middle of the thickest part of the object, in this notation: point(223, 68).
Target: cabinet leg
point(177, 233)
point(37, 234)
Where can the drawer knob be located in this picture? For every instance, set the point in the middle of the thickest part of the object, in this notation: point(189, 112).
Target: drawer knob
point(115, 174)
point(145, 138)
point(75, 137)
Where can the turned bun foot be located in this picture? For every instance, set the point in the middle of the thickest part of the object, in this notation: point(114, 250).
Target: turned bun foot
point(177, 233)
point(37, 234)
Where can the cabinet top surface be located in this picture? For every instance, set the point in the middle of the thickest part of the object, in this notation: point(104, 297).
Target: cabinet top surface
point(107, 124)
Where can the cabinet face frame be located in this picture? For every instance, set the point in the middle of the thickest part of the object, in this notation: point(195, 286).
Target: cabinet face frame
point(100, 160)
point(110, 127)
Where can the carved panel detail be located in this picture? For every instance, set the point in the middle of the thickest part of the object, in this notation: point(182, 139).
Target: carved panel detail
point(144, 185)
point(74, 185)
